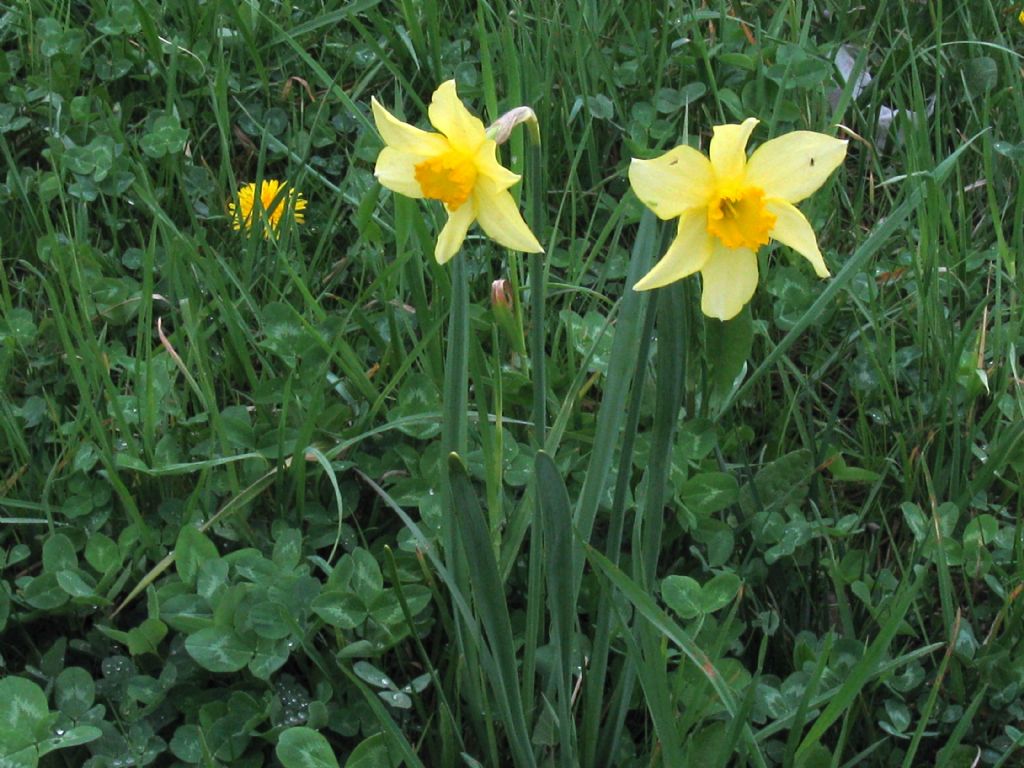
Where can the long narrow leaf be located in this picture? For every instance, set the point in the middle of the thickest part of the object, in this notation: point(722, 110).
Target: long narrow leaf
point(556, 515)
point(621, 369)
point(489, 598)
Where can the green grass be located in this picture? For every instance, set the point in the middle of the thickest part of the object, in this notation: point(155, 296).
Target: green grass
point(232, 532)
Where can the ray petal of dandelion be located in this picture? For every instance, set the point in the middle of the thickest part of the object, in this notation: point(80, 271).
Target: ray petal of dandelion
point(278, 201)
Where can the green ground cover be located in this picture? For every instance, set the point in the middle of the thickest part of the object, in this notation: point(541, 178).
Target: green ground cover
point(232, 530)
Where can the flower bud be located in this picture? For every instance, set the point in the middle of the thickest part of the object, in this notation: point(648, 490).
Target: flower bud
point(500, 296)
point(501, 129)
point(506, 315)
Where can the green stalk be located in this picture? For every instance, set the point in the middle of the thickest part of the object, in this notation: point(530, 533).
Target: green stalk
point(492, 613)
point(456, 387)
point(534, 604)
point(538, 281)
point(647, 655)
point(538, 359)
point(454, 440)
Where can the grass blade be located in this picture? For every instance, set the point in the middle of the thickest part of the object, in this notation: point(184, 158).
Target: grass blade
point(862, 671)
point(646, 607)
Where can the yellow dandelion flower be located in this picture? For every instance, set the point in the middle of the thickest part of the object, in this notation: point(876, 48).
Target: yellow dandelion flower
point(459, 167)
point(730, 205)
point(1020, 18)
point(276, 201)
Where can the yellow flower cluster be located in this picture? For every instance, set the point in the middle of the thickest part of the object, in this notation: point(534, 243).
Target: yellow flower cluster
point(727, 204)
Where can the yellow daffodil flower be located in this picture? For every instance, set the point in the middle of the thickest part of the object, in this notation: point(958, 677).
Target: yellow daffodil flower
point(274, 202)
point(458, 166)
point(730, 205)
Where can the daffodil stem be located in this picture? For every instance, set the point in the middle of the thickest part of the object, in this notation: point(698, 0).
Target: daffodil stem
point(456, 387)
point(601, 734)
point(537, 298)
point(454, 440)
point(537, 347)
point(456, 382)
point(453, 415)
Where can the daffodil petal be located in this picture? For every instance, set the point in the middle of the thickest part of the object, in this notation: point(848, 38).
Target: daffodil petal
point(688, 253)
point(404, 137)
point(500, 219)
point(728, 150)
point(487, 164)
point(794, 165)
point(681, 178)
point(730, 279)
point(793, 229)
point(396, 171)
point(454, 232)
point(450, 116)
